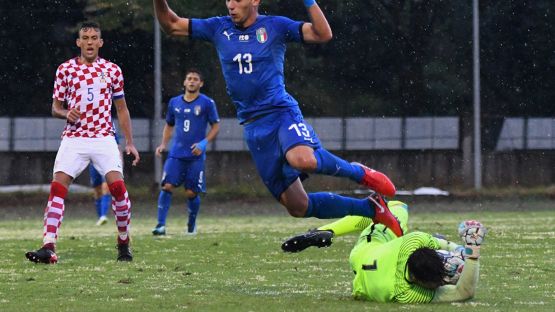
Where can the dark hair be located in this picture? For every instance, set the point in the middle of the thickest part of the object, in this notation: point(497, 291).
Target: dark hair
point(195, 71)
point(87, 25)
point(426, 268)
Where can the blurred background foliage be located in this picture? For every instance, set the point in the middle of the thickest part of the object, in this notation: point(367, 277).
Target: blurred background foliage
point(387, 58)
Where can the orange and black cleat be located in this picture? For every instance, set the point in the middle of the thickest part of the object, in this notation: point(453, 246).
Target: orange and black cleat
point(377, 181)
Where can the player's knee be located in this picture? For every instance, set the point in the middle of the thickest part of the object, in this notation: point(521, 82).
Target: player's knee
point(296, 209)
point(303, 162)
point(167, 187)
point(190, 194)
point(296, 212)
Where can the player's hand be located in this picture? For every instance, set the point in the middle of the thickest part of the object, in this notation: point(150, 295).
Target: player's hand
point(73, 115)
point(130, 149)
point(472, 233)
point(160, 149)
point(199, 148)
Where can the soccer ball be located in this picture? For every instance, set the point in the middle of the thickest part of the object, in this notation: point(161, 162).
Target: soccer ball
point(453, 263)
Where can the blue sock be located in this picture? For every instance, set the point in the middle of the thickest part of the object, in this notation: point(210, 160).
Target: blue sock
point(329, 164)
point(193, 208)
point(97, 204)
point(105, 204)
point(329, 206)
point(164, 202)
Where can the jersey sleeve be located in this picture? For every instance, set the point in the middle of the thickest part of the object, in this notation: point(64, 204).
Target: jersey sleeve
point(466, 286)
point(60, 85)
point(117, 83)
point(203, 29)
point(212, 112)
point(170, 117)
point(291, 29)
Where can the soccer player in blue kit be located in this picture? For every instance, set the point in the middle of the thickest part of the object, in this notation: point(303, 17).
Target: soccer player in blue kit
point(251, 48)
point(188, 116)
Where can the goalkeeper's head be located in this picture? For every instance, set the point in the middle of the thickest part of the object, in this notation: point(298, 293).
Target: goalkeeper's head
point(425, 268)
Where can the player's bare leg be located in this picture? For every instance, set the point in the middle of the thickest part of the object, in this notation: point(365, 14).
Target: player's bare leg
point(295, 199)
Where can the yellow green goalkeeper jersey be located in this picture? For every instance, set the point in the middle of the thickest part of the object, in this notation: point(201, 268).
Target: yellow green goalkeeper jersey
point(380, 267)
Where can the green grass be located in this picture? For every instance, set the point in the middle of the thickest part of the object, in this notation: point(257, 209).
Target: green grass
point(235, 264)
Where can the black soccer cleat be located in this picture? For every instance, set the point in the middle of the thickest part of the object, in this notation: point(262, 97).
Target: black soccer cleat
point(43, 255)
point(314, 237)
point(124, 253)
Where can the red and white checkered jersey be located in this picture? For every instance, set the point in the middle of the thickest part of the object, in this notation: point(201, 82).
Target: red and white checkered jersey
point(90, 88)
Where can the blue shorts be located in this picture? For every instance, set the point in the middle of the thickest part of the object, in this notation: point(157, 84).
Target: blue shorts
point(189, 172)
point(96, 178)
point(269, 138)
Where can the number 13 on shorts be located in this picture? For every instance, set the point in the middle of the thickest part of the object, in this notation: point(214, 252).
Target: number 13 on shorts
point(301, 129)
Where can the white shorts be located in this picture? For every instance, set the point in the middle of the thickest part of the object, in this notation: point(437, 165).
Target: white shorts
point(75, 154)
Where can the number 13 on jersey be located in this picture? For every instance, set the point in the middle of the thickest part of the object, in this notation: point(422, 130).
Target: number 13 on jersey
point(245, 58)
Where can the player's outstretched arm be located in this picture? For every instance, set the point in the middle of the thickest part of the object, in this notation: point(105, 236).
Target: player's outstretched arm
point(472, 233)
point(170, 22)
point(125, 126)
point(318, 30)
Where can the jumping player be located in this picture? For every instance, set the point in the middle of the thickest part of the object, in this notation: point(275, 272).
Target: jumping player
point(285, 148)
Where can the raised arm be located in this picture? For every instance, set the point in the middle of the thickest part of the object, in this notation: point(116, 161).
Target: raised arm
point(170, 22)
point(472, 233)
point(318, 30)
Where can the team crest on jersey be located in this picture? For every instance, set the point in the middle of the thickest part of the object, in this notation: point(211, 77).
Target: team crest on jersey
point(197, 110)
point(102, 77)
point(261, 35)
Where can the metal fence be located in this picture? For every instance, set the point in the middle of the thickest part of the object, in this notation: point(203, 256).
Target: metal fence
point(527, 134)
point(410, 133)
point(43, 134)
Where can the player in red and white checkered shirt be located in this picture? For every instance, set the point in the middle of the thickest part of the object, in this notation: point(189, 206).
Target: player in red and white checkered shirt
point(85, 88)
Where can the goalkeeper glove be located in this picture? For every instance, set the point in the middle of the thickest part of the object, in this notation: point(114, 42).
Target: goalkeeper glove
point(472, 233)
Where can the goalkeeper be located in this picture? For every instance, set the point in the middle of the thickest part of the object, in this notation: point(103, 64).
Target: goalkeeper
point(404, 269)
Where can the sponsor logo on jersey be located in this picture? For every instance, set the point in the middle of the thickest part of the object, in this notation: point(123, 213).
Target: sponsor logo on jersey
point(177, 110)
point(187, 110)
point(261, 35)
point(243, 38)
point(197, 110)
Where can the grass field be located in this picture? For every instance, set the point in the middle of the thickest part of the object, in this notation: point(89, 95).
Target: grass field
point(235, 264)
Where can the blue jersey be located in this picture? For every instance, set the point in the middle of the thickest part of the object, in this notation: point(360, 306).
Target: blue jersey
point(189, 120)
point(252, 60)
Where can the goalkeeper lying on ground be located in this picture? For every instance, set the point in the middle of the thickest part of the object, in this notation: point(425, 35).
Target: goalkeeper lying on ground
point(406, 269)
